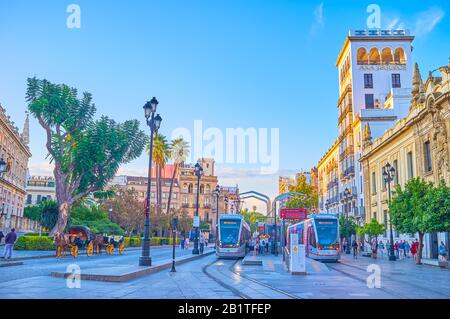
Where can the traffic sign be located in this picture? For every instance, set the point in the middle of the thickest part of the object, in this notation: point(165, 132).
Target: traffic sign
point(293, 213)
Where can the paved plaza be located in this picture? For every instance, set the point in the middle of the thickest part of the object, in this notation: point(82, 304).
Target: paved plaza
point(209, 277)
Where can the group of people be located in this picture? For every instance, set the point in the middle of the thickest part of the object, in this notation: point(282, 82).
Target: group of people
point(260, 245)
point(10, 240)
point(203, 242)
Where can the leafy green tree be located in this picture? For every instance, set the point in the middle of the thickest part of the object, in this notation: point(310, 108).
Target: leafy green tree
point(437, 218)
point(46, 213)
point(252, 218)
point(409, 209)
point(372, 230)
point(96, 218)
point(127, 211)
point(309, 201)
point(86, 153)
point(347, 226)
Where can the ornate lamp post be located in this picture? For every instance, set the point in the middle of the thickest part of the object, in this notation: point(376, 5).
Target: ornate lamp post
point(154, 122)
point(388, 176)
point(327, 205)
point(198, 173)
point(3, 170)
point(217, 194)
point(347, 196)
point(174, 231)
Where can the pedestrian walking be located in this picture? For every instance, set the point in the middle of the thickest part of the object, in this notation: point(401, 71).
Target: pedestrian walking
point(10, 239)
point(396, 249)
point(355, 249)
point(1, 236)
point(187, 243)
point(256, 249)
point(262, 246)
point(401, 249)
point(182, 241)
point(442, 252)
point(374, 248)
point(407, 249)
point(202, 243)
point(381, 248)
point(414, 249)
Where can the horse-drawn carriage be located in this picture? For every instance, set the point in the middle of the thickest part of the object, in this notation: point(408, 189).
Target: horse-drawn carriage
point(81, 238)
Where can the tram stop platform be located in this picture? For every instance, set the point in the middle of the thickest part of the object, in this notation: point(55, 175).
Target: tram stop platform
point(109, 271)
point(272, 263)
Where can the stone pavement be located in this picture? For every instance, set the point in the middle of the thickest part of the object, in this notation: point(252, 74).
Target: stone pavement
point(348, 279)
point(188, 282)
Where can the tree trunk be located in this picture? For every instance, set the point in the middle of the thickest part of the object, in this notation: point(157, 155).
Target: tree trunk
point(63, 217)
point(160, 189)
point(420, 249)
point(171, 188)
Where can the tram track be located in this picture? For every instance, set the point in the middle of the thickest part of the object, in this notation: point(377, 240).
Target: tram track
point(389, 291)
point(221, 282)
point(235, 291)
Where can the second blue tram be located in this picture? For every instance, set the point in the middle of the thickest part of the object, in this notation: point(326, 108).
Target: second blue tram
point(320, 234)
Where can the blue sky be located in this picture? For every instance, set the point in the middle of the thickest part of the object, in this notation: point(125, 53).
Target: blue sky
point(261, 64)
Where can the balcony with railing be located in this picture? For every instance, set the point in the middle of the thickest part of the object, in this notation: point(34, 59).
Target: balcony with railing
point(347, 109)
point(349, 171)
point(334, 182)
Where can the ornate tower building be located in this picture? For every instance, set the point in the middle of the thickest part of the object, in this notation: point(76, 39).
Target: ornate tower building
point(375, 73)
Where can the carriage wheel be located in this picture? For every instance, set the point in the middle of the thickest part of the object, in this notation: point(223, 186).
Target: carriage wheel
point(90, 249)
point(110, 249)
point(58, 251)
point(121, 248)
point(74, 251)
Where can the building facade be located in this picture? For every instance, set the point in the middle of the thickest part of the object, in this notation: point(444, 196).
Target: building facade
point(374, 76)
point(417, 145)
point(15, 152)
point(40, 188)
point(328, 180)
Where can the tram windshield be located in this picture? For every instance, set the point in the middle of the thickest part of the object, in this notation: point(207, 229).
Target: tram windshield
point(229, 231)
point(327, 231)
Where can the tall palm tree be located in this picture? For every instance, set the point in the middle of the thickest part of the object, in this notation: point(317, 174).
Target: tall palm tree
point(161, 155)
point(179, 151)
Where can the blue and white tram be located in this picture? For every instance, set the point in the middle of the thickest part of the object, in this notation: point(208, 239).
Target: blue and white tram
point(320, 234)
point(234, 234)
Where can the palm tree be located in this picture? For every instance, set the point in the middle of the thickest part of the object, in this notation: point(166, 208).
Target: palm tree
point(179, 151)
point(161, 155)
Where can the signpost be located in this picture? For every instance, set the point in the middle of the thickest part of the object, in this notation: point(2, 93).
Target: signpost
point(297, 263)
point(196, 221)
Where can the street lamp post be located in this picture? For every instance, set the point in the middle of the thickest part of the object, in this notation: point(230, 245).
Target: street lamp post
point(327, 205)
point(388, 175)
point(154, 123)
point(198, 173)
point(174, 231)
point(275, 248)
point(3, 169)
point(347, 195)
point(217, 194)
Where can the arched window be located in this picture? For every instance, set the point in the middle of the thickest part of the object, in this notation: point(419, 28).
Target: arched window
point(374, 56)
point(202, 189)
point(361, 56)
point(190, 188)
point(386, 56)
point(399, 56)
point(208, 189)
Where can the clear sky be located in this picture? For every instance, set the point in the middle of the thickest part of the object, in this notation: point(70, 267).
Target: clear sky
point(248, 63)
